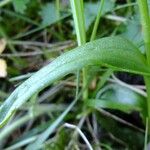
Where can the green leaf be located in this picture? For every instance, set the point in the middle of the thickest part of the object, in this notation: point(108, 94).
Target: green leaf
point(49, 14)
point(92, 8)
point(114, 52)
point(120, 98)
point(133, 31)
point(20, 5)
point(44, 135)
point(125, 134)
point(110, 104)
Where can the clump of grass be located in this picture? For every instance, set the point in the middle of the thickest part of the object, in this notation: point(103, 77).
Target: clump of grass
point(100, 89)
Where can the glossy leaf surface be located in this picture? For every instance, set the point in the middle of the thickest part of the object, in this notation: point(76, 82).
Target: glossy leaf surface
point(113, 52)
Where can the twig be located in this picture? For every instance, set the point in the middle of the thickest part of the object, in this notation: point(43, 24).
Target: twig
point(141, 92)
point(106, 113)
point(27, 54)
point(116, 18)
point(41, 44)
point(117, 140)
point(94, 135)
point(80, 132)
point(75, 132)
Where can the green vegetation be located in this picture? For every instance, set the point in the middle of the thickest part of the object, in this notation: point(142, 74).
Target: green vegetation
point(78, 74)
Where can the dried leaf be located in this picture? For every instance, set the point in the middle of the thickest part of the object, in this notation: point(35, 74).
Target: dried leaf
point(2, 45)
point(3, 68)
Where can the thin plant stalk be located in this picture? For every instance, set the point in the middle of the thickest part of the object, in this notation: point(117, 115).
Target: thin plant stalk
point(79, 22)
point(97, 20)
point(78, 16)
point(58, 8)
point(145, 20)
point(58, 17)
point(146, 135)
point(129, 8)
point(81, 134)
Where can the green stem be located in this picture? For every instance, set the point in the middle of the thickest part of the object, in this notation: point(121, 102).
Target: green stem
point(129, 8)
point(58, 8)
point(58, 18)
point(97, 20)
point(145, 20)
point(146, 134)
point(77, 10)
point(147, 83)
point(79, 22)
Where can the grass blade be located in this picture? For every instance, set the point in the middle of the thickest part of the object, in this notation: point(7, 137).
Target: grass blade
point(114, 52)
point(42, 138)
